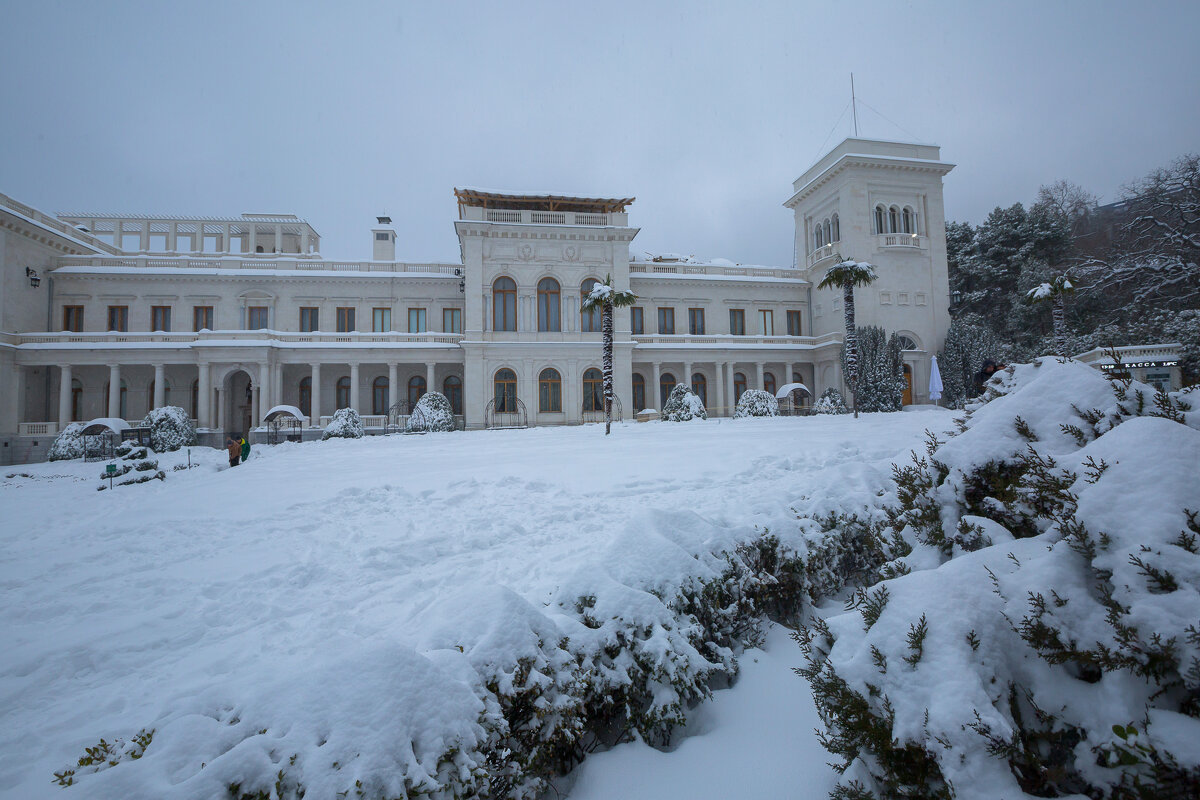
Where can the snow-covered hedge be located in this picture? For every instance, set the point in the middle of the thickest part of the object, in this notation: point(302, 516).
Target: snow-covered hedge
point(756, 403)
point(346, 424)
point(683, 405)
point(68, 444)
point(1041, 637)
point(830, 402)
point(134, 464)
point(432, 412)
point(170, 429)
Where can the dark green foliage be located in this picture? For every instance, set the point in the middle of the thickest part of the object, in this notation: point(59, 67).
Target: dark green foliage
point(880, 385)
point(916, 641)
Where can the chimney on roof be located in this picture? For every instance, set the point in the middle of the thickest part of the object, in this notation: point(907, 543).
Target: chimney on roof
point(383, 241)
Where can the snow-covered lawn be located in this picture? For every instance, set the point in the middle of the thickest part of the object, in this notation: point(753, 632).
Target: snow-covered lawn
point(325, 592)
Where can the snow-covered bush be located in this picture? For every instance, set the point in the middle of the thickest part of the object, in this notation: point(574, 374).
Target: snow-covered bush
point(432, 412)
point(170, 429)
point(756, 403)
point(880, 385)
point(830, 402)
point(68, 444)
point(1041, 636)
point(683, 405)
point(134, 464)
point(346, 424)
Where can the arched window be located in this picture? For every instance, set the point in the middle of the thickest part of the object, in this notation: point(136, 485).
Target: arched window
point(452, 388)
point(548, 305)
point(505, 385)
point(837, 229)
point(739, 386)
point(504, 305)
point(817, 237)
point(589, 320)
point(379, 395)
point(908, 220)
point(700, 387)
point(342, 394)
point(769, 383)
point(828, 232)
point(639, 392)
point(593, 390)
point(666, 382)
point(76, 400)
point(416, 388)
point(550, 391)
point(906, 342)
point(893, 220)
point(123, 411)
point(306, 397)
point(880, 222)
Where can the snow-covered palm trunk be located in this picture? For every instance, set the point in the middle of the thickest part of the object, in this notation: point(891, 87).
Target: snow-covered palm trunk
point(1058, 315)
point(851, 343)
point(606, 326)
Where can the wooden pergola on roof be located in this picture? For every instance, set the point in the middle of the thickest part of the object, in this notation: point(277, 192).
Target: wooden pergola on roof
point(540, 202)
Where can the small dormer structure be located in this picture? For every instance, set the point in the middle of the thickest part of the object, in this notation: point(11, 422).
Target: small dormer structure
point(247, 235)
point(383, 241)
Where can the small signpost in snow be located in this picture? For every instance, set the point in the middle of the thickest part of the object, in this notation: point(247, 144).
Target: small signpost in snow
point(110, 470)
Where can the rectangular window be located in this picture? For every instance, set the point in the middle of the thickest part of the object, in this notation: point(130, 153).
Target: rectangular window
point(666, 320)
point(637, 320)
point(118, 318)
point(73, 318)
point(345, 319)
point(202, 318)
point(416, 320)
point(737, 321)
point(160, 318)
point(381, 320)
point(766, 322)
point(793, 323)
point(695, 321)
point(256, 318)
point(310, 319)
point(452, 320)
point(381, 237)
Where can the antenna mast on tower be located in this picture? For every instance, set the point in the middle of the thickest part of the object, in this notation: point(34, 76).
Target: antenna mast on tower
point(853, 104)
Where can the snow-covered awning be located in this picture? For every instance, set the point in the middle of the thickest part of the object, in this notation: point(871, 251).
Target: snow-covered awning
point(104, 425)
point(283, 411)
point(788, 388)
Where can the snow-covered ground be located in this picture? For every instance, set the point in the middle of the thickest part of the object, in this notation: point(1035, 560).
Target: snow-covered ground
point(324, 592)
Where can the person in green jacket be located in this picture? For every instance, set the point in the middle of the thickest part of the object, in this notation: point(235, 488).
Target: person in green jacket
point(245, 449)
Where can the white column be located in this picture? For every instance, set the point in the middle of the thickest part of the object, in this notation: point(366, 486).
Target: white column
point(160, 386)
point(354, 385)
point(393, 396)
point(225, 238)
point(430, 372)
point(220, 408)
point(279, 242)
point(114, 390)
point(729, 372)
point(304, 242)
point(687, 374)
point(315, 414)
point(252, 235)
point(144, 239)
point(118, 234)
point(64, 395)
point(759, 369)
point(173, 236)
point(204, 397)
point(255, 404)
point(719, 370)
point(657, 391)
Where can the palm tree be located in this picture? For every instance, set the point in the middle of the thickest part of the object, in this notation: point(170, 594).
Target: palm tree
point(848, 274)
point(1055, 292)
point(605, 297)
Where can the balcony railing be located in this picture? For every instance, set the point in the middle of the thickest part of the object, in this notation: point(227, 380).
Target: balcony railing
point(275, 338)
point(640, 268)
point(530, 217)
point(822, 253)
point(259, 263)
point(734, 341)
point(910, 240)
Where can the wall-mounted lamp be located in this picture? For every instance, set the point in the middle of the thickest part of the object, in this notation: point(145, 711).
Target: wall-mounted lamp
point(457, 272)
point(34, 279)
point(462, 285)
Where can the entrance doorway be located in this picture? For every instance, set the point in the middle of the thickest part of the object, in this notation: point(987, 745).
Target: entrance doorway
point(239, 406)
point(908, 378)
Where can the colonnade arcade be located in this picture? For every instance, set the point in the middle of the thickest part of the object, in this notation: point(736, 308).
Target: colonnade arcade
point(719, 384)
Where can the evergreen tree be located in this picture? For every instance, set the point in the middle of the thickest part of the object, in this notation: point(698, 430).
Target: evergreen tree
point(880, 382)
point(969, 342)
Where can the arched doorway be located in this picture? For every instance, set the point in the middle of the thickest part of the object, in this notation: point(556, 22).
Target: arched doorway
point(908, 380)
point(239, 403)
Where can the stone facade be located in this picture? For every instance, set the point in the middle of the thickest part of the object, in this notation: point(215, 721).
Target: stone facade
point(228, 317)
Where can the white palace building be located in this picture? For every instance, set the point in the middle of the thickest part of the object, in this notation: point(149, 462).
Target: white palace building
point(226, 317)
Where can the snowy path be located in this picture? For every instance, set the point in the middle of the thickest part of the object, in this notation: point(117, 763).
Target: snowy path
point(121, 607)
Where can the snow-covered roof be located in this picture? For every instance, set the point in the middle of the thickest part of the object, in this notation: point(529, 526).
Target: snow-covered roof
point(102, 424)
point(283, 410)
point(788, 388)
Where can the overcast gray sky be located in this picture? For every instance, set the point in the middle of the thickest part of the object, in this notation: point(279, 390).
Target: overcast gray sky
point(704, 112)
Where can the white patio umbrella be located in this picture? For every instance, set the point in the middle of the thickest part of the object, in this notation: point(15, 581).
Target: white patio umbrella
point(935, 382)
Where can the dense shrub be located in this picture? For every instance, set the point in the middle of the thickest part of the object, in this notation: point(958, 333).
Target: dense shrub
point(431, 413)
point(756, 403)
point(135, 464)
point(68, 444)
point(170, 429)
point(346, 424)
point(830, 402)
point(683, 405)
